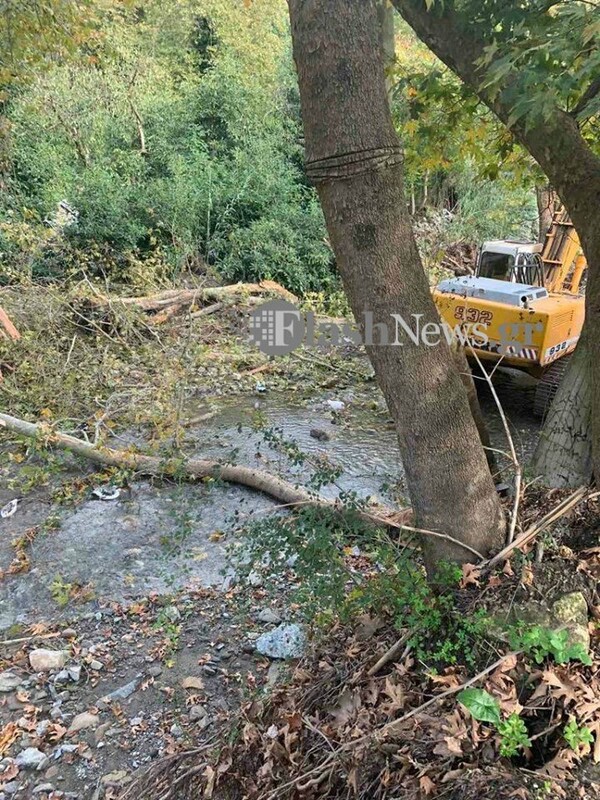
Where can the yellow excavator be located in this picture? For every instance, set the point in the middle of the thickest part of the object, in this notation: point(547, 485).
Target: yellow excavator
point(528, 298)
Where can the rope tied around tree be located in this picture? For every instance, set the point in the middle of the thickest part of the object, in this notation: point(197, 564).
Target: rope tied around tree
point(349, 165)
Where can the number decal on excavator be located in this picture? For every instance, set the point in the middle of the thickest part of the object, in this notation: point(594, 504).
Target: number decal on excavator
point(473, 315)
point(557, 350)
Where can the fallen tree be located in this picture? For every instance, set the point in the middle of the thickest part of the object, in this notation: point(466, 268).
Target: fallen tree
point(197, 469)
point(290, 495)
point(173, 302)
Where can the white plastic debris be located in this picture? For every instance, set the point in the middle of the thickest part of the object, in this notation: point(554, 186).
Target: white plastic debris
point(107, 492)
point(9, 509)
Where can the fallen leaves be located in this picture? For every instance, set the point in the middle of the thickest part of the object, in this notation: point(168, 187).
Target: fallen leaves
point(8, 735)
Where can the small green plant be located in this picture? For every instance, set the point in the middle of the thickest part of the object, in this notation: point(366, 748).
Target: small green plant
point(484, 707)
point(577, 738)
point(61, 591)
point(513, 735)
point(319, 544)
point(167, 623)
point(540, 643)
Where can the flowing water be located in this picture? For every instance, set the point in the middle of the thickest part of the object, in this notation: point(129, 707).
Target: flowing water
point(161, 537)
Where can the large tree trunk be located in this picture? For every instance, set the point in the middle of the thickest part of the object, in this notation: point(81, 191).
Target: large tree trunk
point(354, 157)
point(571, 167)
point(564, 452)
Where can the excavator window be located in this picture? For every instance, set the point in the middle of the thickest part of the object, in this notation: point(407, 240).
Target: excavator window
point(526, 269)
point(496, 265)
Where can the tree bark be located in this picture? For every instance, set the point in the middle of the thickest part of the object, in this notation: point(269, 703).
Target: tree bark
point(354, 158)
point(570, 165)
point(546, 199)
point(564, 453)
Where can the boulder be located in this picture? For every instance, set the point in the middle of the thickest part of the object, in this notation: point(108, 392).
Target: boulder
point(285, 641)
point(43, 660)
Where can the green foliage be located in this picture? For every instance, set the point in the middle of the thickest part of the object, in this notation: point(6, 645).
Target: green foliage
point(484, 707)
point(61, 591)
point(541, 643)
point(550, 51)
point(513, 735)
point(320, 544)
point(481, 705)
point(178, 138)
point(577, 737)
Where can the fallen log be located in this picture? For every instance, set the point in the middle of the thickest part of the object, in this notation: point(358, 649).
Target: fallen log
point(188, 297)
point(197, 469)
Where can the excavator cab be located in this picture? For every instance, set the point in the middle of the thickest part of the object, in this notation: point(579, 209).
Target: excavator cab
point(513, 261)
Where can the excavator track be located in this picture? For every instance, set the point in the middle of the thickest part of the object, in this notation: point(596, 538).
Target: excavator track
point(548, 386)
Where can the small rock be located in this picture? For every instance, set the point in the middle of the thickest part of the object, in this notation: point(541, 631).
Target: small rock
point(65, 748)
point(9, 681)
point(228, 583)
point(115, 779)
point(336, 405)
point(83, 721)
point(12, 787)
point(197, 713)
point(571, 610)
point(62, 676)
point(31, 758)
point(255, 579)
point(43, 787)
point(268, 616)
point(286, 641)
point(320, 435)
point(173, 614)
point(124, 691)
point(273, 674)
point(42, 728)
point(42, 660)
point(69, 633)
point(96, 665)
point(154, 670)
point(176, 731)
point(192, 682)
point(75, 672)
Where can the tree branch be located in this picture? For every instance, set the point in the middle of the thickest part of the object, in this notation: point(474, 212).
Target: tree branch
point(590, 93)
point(555, 140)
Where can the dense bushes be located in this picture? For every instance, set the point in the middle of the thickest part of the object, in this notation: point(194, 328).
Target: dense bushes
point(158, 152)
point(177, 139)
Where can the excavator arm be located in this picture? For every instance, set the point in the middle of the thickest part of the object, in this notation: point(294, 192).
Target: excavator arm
point(564, 262)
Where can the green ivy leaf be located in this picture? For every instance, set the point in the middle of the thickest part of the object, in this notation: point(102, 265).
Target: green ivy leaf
point(481, 705)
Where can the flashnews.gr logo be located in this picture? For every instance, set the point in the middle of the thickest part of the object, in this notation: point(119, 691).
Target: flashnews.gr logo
point(278, 327)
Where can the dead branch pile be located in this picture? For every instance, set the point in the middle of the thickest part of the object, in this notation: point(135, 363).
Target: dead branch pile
point(335, 731)
point(170, 303)
point(460, 258)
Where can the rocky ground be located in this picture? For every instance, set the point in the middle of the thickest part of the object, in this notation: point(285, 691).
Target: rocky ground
point(84, 704)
